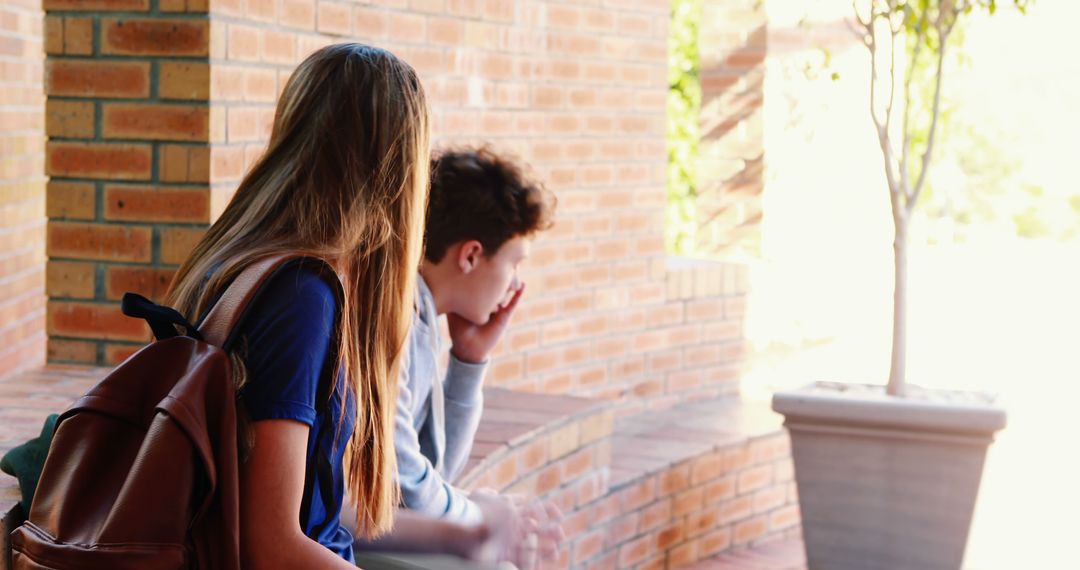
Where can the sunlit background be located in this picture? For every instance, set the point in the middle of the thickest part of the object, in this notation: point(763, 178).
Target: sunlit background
point(995, 252)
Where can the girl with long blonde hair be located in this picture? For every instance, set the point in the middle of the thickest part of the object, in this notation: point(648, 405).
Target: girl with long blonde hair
point(343, 180)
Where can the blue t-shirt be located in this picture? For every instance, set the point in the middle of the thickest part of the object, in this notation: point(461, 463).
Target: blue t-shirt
point(285, 340)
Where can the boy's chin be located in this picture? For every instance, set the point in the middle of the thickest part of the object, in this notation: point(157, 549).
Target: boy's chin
point(477, 320)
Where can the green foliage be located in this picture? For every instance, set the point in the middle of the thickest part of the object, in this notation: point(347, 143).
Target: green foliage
point(978, 179)
point(683, 107)
point(929, 32)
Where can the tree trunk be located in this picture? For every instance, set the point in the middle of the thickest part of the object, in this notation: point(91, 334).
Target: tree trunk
point(897, 369)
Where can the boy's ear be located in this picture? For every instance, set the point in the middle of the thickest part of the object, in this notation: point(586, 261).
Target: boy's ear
point(469, 255)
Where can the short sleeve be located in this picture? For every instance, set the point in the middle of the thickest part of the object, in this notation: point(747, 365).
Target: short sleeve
point(285, 340)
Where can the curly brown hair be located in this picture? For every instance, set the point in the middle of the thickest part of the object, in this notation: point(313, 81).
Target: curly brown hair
point(481, 195)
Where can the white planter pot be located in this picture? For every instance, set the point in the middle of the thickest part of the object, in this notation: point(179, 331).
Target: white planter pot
point(886, 483)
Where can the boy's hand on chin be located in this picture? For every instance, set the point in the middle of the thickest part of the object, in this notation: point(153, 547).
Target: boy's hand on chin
point(473, 343)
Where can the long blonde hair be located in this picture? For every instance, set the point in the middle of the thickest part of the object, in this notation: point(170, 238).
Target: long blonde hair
point(344, 178)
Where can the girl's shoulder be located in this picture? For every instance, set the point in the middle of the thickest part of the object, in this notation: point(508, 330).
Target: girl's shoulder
point(301, 297)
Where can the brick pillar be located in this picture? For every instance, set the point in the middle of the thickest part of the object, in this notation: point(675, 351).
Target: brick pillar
point(127, 83)
point(22, 187)
point(730, 174)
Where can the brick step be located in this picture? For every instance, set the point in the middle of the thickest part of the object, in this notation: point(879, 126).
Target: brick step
point(653, 489)
point(28, 398)
point(529, 443)
point(688, 483)
point(779, 555)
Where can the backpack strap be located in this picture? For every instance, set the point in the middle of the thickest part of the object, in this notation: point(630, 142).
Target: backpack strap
point(223, 320)
point(220, 328)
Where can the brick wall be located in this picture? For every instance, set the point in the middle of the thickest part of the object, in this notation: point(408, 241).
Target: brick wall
point(128, 125)
point(168, 106)
point(22, 187)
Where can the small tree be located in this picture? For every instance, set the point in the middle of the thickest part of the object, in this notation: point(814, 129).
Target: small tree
point(918, 32)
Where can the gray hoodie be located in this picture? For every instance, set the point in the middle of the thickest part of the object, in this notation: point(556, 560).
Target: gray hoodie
point(418, 439)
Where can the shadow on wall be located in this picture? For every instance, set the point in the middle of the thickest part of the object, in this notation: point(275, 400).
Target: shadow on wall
point(731, 150)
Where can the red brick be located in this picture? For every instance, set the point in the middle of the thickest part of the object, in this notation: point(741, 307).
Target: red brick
point(370, 23)
point(688, 501)
point(706, 467)
point(146, 281)
point(334, 19)
point(75, 351)
point(588, 546)
point(69, 35)
point(445, 31)
point(623, 529)
point(606, 509)
point(768, 499)
point(243, 43)
point(714, 542)
point(96, 5)
point(564, 441)
point(504, 473)
point(674, 480)
point(172, 37)
point(94, 321)
point(577, 465)
point(605, 562)
point(72, 200)
point(657, 561)
point(92, 241)
point(720, 489)
point(548, 479)
point(279, 47)
point(533, 456)
point(640, 494)
point(243, 124)
point(563, 16)
point(701, 522)
point(752, 529)
point(97, 160)
point(261, 10)
point(155, 122)
point(180, 163)
point(592, 487)
point(298, 14)
point(198, 6)
point(184, 80)
point(575, 524)
point(599, 19)
point(735, 509)
point(54, 34)
point(655, 515)
point(684, 554)
point(596, 427)
point(163, 204)
point(754, 478)
point(84, 78)
point(177, 243)
point(69, 279)
point(670, 535)
point(71, 119)
point(784, 517)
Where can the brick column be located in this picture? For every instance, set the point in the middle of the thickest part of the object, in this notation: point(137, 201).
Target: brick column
point(127, 83)
point(22, 187)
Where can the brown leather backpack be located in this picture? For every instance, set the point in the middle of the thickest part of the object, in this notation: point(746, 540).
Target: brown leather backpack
point(143, 470)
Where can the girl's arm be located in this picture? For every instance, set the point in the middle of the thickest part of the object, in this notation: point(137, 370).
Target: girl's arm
point(271, 490)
